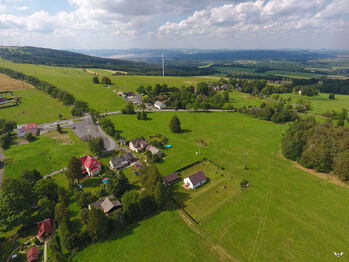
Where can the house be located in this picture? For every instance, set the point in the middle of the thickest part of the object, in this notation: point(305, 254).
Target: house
point(33, 254)
point(127, 94)
point(23, 129)
point(159, 105)
point(90, 165)
point(153, 149)
point(195, 180)
point(108, 204)
point(122, 161)
point(123, 141)
point(171, 178)
point(138, 145)
point(44, 229)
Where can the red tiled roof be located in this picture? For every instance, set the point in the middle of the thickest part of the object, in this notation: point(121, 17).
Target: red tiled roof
point(31, 126)
point(89, 162)
point(44, 227)
point(33, 254)
point(94, 169)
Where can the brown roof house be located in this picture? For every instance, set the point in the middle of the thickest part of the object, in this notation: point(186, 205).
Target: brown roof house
point(44, 229)
point(108, 204)
point(138, 145)
point(171, 178)
point(33, 254)
point(195, 180)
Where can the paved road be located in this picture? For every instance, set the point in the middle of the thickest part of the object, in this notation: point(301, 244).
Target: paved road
point(2, 164)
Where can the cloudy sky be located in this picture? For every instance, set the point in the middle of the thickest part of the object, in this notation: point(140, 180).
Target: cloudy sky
point(85, 24)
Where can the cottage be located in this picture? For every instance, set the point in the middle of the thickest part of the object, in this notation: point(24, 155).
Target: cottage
point(23, 129)
point(90, 166)
point(138, 145)
point(123, 141)
point(122, 161)
point(171, 178)
point(108, 204)
point(33, 254)
point(44, 229)
point(195, 180)
point(153, 149)
point(159, 105)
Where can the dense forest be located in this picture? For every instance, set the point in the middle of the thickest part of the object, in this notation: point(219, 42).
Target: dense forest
point(44, 56)
point(320, 146)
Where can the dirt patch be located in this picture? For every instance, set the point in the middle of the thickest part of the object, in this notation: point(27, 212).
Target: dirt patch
point(115, 71)
point(91, 72)
point(21, 142)
point(330, 178)
point(9, 84)
point(62, 139)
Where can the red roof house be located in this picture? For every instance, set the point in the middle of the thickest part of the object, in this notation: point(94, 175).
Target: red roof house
point(33, 254)
point(90, 165)
point(22, 129)
point(44, 229)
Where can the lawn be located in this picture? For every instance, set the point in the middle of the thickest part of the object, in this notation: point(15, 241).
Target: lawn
point(287, 214)
point(201, 202)
point(322, 103)
point(50, 152)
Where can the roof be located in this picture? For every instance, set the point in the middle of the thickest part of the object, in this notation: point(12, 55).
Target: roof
point(89, 162)
point(33, 254)
point(44, 227)
point(122, 159)
point(159, 103)
point(153, 150)
point(171, 177)
point(28, 126)
point(197, 177)
point(139, 143)
point(106, 204)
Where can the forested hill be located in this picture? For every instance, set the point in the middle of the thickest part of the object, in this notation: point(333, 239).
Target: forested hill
point(45, 56)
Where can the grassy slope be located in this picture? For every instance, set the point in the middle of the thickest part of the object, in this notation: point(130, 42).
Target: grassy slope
point(287, 214)
point(321, 103)
point(37, 154)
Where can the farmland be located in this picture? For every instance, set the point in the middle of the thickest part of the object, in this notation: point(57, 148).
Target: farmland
point(277, 213)
point(48, 153)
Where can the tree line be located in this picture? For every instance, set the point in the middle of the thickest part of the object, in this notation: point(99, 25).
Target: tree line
point(79, 107)
point(319, 146)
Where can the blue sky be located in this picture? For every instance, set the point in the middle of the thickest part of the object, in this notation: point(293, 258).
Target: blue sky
point(249, 24)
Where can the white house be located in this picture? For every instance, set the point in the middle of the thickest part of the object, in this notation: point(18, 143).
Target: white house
point(159, 105)
point(195, 180)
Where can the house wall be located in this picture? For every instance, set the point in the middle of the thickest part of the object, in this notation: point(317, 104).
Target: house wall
point(187, 181)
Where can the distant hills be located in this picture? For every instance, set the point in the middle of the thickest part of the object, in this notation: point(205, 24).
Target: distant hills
point(52, 57)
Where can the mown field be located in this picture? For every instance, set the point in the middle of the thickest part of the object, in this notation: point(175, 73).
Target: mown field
point(287, 214)
point(35, 106)
point(50, 152)
point(322, 103)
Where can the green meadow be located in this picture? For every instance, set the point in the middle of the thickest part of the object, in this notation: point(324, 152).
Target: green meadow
point(322, 103)
point(48, 153)
point(286, 215)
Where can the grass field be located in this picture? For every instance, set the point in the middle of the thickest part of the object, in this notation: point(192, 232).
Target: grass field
point(200, 203)
point(287, 215)
point(322, 103)
point(9, 84)
point(50, 152)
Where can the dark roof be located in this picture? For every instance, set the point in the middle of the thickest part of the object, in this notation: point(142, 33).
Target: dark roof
point(33, 254)
point(139, 142)
point(117, 161)
point(107, 204)
point(44, 227)
point(171, 177)
point(197, 177)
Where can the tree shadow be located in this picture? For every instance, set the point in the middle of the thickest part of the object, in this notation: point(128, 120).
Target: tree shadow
point(185, 131)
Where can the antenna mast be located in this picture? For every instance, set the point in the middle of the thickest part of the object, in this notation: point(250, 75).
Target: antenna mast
point(163, 64)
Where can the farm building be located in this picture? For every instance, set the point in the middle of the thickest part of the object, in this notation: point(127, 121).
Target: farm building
point(33, 254)
point(90, 165)
point(107, 204)
point(122, 161)
point(3, 101)
point(23, 129)
point(44, 229)
point(171, 178)
point(159, 105)
point(138, 145)
point(195, 180)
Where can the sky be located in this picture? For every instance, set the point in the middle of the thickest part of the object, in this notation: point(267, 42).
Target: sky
point(206, 24)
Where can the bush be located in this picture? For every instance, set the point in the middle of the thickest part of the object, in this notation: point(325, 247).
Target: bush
point(29, 136)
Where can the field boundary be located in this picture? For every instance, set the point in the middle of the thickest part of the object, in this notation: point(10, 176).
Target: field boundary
point(182, 208)
point(198, 162)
